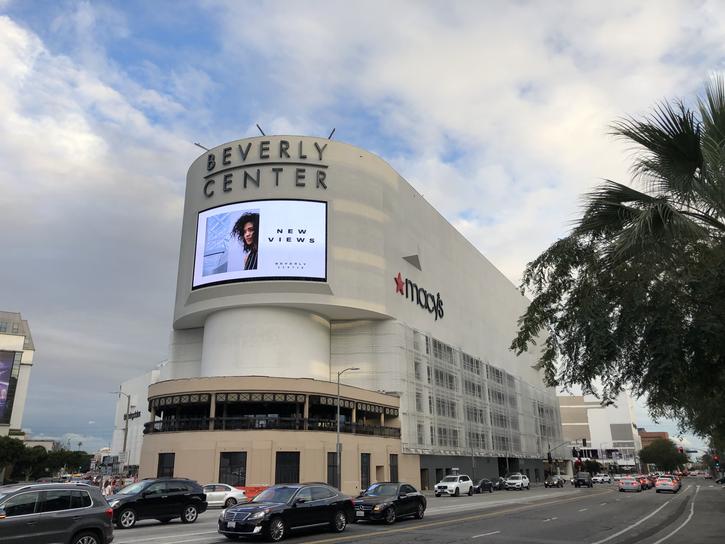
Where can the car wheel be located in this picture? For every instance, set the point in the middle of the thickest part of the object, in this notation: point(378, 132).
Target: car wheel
point(164, 520)
point(126, 519)
point(657, 490)
point(339, 522)
point(490, 489)
point(231, 501)
point(277, 529)
point(457, 492)
point(470, 491)
point(190, 514)
point(389, 515)
point(86, 538)
point(437, 494)
point(420, 512)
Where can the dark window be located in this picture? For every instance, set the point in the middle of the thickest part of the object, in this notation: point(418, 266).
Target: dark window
point(21, 505)
point(80, 499)
point(407, 489)
point(320, 492)
point(287, 467)
point(55, 500)
point(304, 493)
point(176, 486)
point(233, 467)
point(166, 465)
point(364, 470)
point(156, 489)
point(393, 467)
point(332, 469)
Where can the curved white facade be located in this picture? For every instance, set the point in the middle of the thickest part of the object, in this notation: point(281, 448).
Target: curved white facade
point(402, 296)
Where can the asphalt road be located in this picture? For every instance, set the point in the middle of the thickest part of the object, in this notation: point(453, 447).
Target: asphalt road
point(600, 515)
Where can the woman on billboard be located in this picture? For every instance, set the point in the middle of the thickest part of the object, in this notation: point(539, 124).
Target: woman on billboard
point(246, 229)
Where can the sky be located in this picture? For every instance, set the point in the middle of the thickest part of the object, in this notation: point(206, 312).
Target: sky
point(497, 112)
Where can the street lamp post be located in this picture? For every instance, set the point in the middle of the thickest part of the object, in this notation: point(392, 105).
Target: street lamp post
point(125, 427)
point(338, 468)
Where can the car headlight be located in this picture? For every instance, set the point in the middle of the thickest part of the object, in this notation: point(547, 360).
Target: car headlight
point(224, 511)
point(381, 506)
point(258, 515)
point(113, 503)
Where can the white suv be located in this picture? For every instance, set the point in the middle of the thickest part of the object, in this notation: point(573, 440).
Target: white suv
point(601, 479)
point(517, 481)
point(454, 485)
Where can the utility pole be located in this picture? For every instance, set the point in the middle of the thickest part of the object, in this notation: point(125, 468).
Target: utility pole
point(338, 468)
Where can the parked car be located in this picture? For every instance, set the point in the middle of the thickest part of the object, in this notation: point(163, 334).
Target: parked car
point(629, 483)
point(583, 479)
point(518, 481)
point(282, 508)
point(162, 498)
point(223, 495)
point(388, 501)
point(554, 481)
point(55, 512)
point(454, 485)
point(601, 479)
point(667, 483)
point(483, 485)
point(499, 484)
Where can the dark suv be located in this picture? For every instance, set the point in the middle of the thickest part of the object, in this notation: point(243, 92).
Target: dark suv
point(73, 513)
point(162, 498)
point(583, 479)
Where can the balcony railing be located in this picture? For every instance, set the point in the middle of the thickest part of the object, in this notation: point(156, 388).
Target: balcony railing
point(267, 423)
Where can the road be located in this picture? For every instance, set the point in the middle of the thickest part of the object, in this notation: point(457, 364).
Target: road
point(547, 516)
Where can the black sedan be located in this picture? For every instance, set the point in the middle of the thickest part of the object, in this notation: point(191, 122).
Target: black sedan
point(499, 484)
point(483, 485)
point(387, 501)
point(282, 508)
point(554, 481)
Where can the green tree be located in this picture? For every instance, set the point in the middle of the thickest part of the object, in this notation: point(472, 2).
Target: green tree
point(635, 295)
point(11, 450)
point(664, 454)
point(592, 466)
point(31, 464)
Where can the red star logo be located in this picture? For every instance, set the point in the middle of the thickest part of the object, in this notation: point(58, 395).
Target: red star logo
point(399, 284)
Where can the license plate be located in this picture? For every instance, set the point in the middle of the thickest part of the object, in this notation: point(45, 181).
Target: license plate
point(231, 524)
point(360, 513)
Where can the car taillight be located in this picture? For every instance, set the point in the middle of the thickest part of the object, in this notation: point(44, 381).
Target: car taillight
point(109, 512)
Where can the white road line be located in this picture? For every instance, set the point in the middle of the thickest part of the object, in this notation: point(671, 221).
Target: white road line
point(486, 534)
point(692, 512)
point(615, 535)
point(549, 519)
point(141, 539)
point(583, 509)
point(603, 504)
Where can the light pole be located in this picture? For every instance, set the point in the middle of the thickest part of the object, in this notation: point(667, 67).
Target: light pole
point(338, 469)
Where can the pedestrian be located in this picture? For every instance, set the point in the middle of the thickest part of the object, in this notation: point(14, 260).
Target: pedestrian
point(107, 489)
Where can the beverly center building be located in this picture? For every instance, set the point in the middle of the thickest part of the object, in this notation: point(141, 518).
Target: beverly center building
point(303, 257)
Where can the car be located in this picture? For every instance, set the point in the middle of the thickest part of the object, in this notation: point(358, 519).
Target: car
point(518, 481)
point(667, 483)
point(629, 483)
point(54, 512)
point(388, 501)
point(583, 479)
point(720, 481)
point(282, 508)
point(554, 481)
point(601, 479)
point(162, 499)
point(644, 481)
point(499, 484)
point(454, 484)
point(223, 495)
point(483, 485)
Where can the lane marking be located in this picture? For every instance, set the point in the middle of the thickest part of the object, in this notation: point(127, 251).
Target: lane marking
point(547, 520)
point(486, 534)
point(603, 504)
point(584, 509)
point(692, 512)
point(615, 535)
point(135, 540)
point(452, 521)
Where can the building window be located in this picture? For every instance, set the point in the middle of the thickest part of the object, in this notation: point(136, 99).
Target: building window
point(393, 467)
point(233, 468)
point(287, 467)
point(419, 402)
point(364, 471)
point(446, 408)
point(332, 468)
point(166, 465)
point(421, 434)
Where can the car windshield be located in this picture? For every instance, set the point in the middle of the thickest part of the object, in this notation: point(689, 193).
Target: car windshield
point(450, 479)
point(515, 477)
point(276, 494)
point(133, 488)
point(381, 490)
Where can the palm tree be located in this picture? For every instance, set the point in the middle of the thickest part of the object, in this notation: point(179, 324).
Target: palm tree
point(682, 167)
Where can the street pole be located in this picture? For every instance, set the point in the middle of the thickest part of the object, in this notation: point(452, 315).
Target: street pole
point(125, 427)
point(338, 468)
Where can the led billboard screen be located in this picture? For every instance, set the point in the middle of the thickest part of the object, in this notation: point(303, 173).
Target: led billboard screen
point(8, 378)
point(261, 240)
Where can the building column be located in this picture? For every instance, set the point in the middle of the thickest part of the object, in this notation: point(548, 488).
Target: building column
point(212, 411)
point(306, 411)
